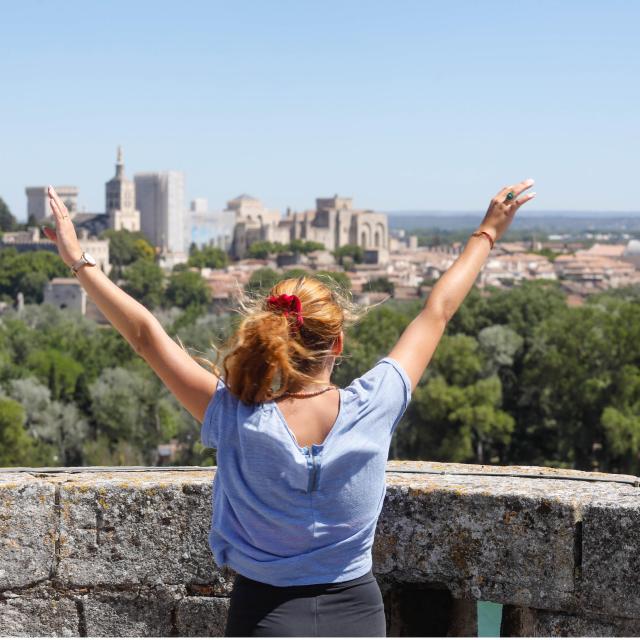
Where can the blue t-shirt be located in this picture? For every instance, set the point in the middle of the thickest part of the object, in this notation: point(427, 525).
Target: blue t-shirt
point(290, 515)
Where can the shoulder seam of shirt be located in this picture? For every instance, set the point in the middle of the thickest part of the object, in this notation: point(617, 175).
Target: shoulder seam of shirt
point(213, 403)
point(403, 374)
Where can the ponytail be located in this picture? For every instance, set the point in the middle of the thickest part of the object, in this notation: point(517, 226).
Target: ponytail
point(273, 352)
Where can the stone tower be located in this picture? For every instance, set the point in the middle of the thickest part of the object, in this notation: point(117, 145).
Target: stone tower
point(121, 200)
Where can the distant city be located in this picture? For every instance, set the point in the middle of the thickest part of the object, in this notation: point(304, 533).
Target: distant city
point(401, 253)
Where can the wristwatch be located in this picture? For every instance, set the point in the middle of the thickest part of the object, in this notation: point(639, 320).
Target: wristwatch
point(85, 258)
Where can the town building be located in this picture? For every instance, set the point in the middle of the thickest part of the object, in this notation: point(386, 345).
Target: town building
point(33, 240)
point(161, 201)
point(38, 201)
point(120, 200)
point(511, 268)
point(205, 227)
point(334, 223)
point(68, 293)
point(596, 271)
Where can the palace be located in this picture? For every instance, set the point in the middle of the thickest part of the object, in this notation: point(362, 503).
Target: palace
point(334, 223)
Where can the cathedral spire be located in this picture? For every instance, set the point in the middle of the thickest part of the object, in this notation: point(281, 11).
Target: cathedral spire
point(119, 164)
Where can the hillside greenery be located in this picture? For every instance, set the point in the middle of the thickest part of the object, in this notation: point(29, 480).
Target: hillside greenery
point(518, 378)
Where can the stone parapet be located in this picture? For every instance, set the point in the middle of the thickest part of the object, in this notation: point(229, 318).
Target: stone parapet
point(124, 552)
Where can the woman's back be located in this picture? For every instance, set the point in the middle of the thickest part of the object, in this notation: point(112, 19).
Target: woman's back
point(287, 512)
point(310, 419)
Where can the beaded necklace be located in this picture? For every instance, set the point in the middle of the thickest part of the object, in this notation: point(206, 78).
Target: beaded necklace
point(308, 394)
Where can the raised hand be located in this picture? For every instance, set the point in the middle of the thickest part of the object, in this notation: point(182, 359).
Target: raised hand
point(503, 207)
point(64, 234)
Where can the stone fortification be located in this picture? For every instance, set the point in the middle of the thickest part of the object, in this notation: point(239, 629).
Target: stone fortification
point(116, 552)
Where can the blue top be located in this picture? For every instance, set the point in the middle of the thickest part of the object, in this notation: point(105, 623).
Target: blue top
point(290, 515)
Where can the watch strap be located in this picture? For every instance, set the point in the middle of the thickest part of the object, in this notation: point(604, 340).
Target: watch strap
point(78, 263)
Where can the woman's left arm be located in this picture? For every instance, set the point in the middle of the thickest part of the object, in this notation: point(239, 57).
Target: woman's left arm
point(191, 384)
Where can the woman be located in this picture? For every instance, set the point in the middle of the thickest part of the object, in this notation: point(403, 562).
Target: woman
point(301, 464)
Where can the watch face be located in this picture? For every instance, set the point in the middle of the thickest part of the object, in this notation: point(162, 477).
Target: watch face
point(89, 258)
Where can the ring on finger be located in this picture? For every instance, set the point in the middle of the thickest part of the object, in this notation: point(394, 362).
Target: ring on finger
point(510, 196)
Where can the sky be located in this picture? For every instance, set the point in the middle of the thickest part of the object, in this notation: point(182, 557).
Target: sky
point(401, 105)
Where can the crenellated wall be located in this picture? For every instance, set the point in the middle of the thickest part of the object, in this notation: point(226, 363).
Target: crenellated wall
point(123, 552)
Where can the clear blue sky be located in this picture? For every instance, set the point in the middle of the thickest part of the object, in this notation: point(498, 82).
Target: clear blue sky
point(401, 105)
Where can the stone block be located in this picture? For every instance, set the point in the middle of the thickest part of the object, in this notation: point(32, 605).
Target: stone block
point(28, 521)
point(140, 612)
point(40, 612)
point(202, 617)
point(610, 574)
point(144, 528)
point(536, 623)
point(556, 624)
point(484, 541)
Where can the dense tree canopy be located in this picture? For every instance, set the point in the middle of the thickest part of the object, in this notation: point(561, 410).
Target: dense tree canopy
point(28, 273)
point(349, 254)
point(207, 256)
point(144, 280)
point(127, 246)
point(262, 280)
point(518, 378)
point(264, 248)
point(187, 288)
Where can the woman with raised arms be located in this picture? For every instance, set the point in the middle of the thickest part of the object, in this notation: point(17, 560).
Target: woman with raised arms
point(300, 480)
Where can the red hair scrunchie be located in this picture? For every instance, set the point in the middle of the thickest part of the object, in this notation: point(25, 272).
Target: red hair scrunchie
point(288, 304)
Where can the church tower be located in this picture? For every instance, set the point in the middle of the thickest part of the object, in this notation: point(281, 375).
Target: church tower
point(121, 200)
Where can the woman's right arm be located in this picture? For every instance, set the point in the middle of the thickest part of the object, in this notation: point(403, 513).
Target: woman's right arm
point(192, 385)
point(418, 343)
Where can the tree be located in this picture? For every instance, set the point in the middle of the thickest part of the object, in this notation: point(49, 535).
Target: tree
point(56, 369)
point(500, 345)
point(296, 272)
point(339, 278)
point(571, 373)
point(456, 415)
point(621, 421)
point(57, 424)
point(262, 280)
point(208, 256)
point(132, 407)
point(101, 451)
point(19, 449)
point(524, 307)
point(125, 247)
point(381, 284)
point(118, 404)
point(7, 220)
point(28, 272)
point(144, 280)
point(262, 249)
point(352, 252)
point(304, 246)
point(142, 250)
point(187, 288)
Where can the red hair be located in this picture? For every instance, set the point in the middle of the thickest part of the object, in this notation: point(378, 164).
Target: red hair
point(272, 352)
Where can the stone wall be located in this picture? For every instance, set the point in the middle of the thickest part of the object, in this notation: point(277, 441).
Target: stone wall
point(123, 552)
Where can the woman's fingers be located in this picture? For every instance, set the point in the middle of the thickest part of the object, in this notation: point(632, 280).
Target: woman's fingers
point(522, 199)
point(57, 206)
point(53, 204)
point(523, 186)
point(517, 189)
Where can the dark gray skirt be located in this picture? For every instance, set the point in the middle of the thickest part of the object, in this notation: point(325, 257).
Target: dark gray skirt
point(335, 609)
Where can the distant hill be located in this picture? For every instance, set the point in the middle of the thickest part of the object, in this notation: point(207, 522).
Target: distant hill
point(543, 220)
